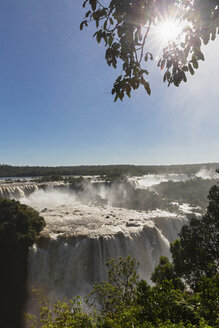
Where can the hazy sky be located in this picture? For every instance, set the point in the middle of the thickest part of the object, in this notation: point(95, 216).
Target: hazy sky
point(55, 101)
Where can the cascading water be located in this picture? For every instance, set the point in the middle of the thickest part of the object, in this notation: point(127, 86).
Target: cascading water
point(22, 190)
point(70, 266)
point(17, 191)
point(78, 240)
point(71, 252)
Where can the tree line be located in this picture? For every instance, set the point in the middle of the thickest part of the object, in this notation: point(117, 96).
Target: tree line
point(108, 170)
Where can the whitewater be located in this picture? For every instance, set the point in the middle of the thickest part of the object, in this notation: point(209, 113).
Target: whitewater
point(83, 231)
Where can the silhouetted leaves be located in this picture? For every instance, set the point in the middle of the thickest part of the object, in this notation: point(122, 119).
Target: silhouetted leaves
point(124, 26)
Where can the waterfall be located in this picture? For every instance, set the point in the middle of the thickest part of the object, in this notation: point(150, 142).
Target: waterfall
point(17, 191)
point(22, 190)
point(82, 235)
point(170, 227)
point(69, 265)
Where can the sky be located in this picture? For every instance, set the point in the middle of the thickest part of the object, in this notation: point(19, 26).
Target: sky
point(56, 106)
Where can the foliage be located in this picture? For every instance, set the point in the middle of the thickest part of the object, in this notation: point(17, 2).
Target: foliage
point(202, 237)
point(125, 27)
point(63, 314)
point(19, 227)
point(19, 224)
point(108, 170)
point(125, 302)
point(49, 178)
point(76, 183)
point(208, 299)
point(109, 297)
point(165, 271)
point(163, 302)
point(194, 192)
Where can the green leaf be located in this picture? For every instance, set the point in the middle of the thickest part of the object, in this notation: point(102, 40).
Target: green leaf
point(116, 98)
point(165, 77)
point(191, 70)
point(87, 13)
point(162, 64)
point(199, 55)
point(81, 26)
point(128, 89)
point(183, 76)
point(168, 75)
point(185, 69)
point(145, 71)
point(93, 4)
point(205, 38)
point(148, 54)
point(147, 87)
point(84, 4)
point(110, 40)
point(194, 62)
point(99, 36)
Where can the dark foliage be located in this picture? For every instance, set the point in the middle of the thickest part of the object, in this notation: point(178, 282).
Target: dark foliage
point(124, 26)
point(108, 170)
point(49, 178)
point(196, 254)
point(19, 227)
point(194, 192)
point(165, 271)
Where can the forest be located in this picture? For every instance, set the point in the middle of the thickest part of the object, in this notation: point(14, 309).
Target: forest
point(109, 170)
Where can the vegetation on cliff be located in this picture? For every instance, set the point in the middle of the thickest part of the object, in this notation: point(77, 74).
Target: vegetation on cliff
point(19, 227)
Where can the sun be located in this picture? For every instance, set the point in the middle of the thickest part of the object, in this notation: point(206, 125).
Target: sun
point(168, 30)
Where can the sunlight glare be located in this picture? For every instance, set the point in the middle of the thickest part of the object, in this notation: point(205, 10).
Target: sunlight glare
point(168, 30)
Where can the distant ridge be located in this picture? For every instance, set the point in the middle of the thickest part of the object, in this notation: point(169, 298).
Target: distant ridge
point(109, 170)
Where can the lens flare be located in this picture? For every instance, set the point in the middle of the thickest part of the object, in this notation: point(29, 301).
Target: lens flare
point(168, 30)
